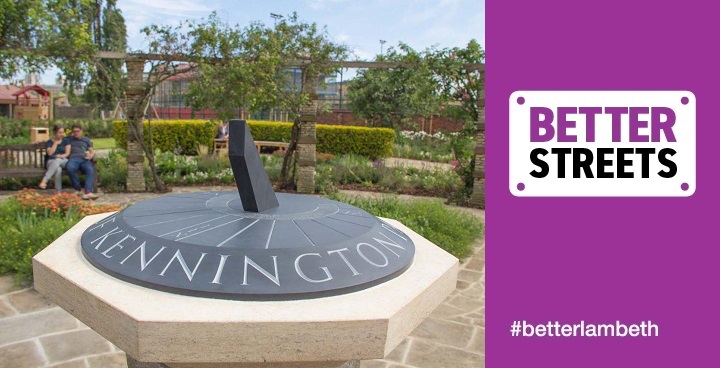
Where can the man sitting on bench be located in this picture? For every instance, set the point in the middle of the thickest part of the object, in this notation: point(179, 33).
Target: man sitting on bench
point(81, 153)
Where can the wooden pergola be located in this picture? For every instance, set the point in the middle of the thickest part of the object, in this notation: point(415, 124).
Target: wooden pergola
point(135, 63)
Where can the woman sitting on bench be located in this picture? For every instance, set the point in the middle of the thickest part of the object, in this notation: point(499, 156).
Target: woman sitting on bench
point(57, 151)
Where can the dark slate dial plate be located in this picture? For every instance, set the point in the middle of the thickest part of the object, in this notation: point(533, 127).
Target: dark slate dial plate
point(205, 244)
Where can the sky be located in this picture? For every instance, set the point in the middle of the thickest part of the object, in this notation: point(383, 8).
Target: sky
point(359, 24)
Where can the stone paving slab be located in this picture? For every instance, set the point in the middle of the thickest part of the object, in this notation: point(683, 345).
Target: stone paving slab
point(36, 333)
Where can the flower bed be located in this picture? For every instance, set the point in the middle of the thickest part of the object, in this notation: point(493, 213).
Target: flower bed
point(31, 221)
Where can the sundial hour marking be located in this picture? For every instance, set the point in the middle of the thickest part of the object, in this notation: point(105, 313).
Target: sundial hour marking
point(237, 233)
point(335, 230)
point(216, 264)
point(187, 227)
point(355, 214)
point(349, 222)
point(267, 244)
point(206, 230)
point(301, 230)
point(166, 213)
point(168, 221)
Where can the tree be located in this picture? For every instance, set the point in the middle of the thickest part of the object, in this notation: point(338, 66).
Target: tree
point(72, 47)
point(459, 84)
point(391, 97)
point(170, 43)
point(23, 29)
point(36, 34)
point(429, 82)
point(249, 68)
point(465, 88)
point(106, 81)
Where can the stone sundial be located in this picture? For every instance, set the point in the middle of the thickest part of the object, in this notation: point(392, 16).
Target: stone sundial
point(253, 244)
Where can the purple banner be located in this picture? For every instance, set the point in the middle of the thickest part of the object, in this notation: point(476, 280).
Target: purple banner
point(591, 263)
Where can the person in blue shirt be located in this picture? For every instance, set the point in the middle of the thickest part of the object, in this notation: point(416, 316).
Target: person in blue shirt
point(223, 130)
point(57, 151)
point(81, 155)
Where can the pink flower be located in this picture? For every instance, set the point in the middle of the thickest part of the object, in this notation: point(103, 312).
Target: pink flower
point(466, 96)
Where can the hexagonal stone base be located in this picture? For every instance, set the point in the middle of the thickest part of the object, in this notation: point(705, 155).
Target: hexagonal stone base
point(156, 326)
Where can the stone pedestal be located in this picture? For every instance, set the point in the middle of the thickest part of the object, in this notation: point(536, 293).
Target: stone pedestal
point(183, 331)
point(132, 363)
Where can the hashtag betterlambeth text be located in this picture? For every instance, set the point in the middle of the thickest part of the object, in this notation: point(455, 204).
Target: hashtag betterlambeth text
point(583, 329)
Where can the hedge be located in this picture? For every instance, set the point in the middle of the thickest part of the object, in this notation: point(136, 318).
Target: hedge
point(20, 128)
point(183, 136)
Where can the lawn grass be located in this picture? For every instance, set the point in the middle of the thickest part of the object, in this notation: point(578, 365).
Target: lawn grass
point(450, 229)
point(103, 143)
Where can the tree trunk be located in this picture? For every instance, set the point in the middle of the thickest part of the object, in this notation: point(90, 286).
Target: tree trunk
point(478, 195)
point(135, 157)
point(301, 150)
point(287, 173)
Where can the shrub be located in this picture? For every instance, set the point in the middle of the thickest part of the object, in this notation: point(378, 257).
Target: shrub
point(32, 221)
point(112, 171)
point(340, 140)
point(59, 204)
point(181, 137)
point(93, 128)
point(16, 128)
point(450, 229)
point(185, 136)
point(333, 139)
point(20, 128)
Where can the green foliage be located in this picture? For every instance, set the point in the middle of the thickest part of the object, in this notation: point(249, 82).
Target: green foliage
point(67, 33)
point(350, 171)
point(182, 137)
point(450, 229)
point(26, 233)
point(440, 147)
point(429, 82)
point(457, 83)
point(13, 140)
point(391, 97)
point(248, 66)
point(334, 139)
point(112, 171)
point(270, 131)
point(107, 81)
point(16, 128)
point(332, 173)
point(370, 142)
point(23, 25)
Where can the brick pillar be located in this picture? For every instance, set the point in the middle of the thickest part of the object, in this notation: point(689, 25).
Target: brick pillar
point(478, 195)
point(135, 154)
point(307, 141)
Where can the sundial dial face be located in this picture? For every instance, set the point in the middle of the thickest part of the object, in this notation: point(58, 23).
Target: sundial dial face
point(252, 244)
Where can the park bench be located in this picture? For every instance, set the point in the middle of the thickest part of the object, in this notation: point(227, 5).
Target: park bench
point(282, 146)
point(221, 144)
point(28, 161)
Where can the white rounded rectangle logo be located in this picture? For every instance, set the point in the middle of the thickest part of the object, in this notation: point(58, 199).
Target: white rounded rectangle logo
point(602, 143)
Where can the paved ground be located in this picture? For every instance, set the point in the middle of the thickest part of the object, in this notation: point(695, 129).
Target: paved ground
point(36, 333)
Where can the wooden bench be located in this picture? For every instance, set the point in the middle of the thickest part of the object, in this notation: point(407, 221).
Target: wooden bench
point(28, 161)
point(282, 146)
point(222, 144)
